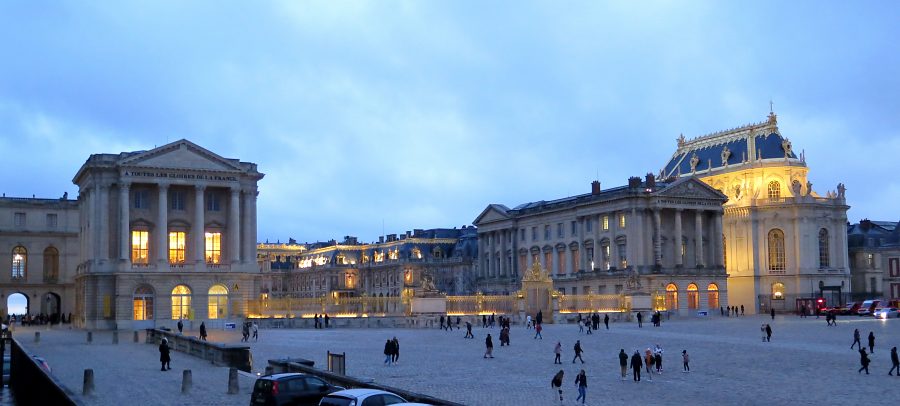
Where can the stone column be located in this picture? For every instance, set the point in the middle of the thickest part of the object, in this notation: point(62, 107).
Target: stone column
point(162, 227)
point(249, 227)
point(582, 251)
point(234, 227)
point(657, 237)
point(679, 259)
point(493, 253)
point(124, 224)
point(698, 228)
point(504, 234)
point(198, 227)
point(103, 216)
point(717, 242)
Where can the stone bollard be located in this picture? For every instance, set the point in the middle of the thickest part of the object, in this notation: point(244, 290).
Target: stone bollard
point(37, 337)
point(90, 337)
point(137, 335)
point(115, 336)
point(88, 382)
point(186, 381)
point(270, 370)
point(233, 381)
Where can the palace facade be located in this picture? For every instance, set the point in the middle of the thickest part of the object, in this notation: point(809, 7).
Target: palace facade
point(664, 232)
point(874, 249)
point(784, 243)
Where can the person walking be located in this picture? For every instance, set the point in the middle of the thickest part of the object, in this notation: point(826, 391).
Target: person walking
point(623, 362)
point(483, 321)
point(636, 366)
point(606, 320)
point(657, 357)
point(578, 352)
point(469, 330)
point(580, 324)
point(864, 361)
point(558, 352)
point(441, 325)
point(772, 312)
point(589, 326)
point(528, 322)
point(164, 357)
point(180, 326)
point(326, 320)
point(895, 362)
point(457, 322)
point(648, 363)
point(856, 339)
point(489, 347)
point(388, 352)
point(871, 342)
point(742, 310)
point(685, 361)
point(537, 331)
point(768, 333)
point(640, 319)
point(203, 331)
point(556, 384)
point(581, 383)
point(316, 320)
point(395, 345)
point(255, 329)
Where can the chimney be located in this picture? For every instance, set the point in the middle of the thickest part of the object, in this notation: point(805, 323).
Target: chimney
point(381, 239)
point(595, 187)
point(650, 181)
point(634, 182)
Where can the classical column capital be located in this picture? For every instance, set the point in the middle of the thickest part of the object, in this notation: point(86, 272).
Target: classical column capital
point(163, 185)
point(124, 185)
point(201, 187)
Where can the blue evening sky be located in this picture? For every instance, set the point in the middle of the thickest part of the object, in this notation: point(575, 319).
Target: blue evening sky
point(419, 114)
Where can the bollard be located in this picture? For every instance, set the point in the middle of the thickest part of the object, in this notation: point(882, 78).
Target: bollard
point(270, 370)
point(37, 337)
point(186, 381)
point(88, 382)
point(115, 336)
point(90, 337)
point(233, 381)
point(136, 336)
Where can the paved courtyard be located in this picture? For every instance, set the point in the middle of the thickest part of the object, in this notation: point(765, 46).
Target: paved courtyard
point(806, 363)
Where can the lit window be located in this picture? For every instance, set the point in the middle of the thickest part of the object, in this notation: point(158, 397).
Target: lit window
point(181, 302)
point(213, 251)
point(19, 262)
point(774, 190)
point(605, 223)
point(176, 247)
point(776, 250)
point(379, 256)
point(394, 254)
point(218, 302)
point(823, 248)
point(778, 291)
point(140, 253)
point(671, 297)
point(621, 221)
point(712, 292)
point(416, 253)
point(693, 297)
point(213, 202)
point(143, 303)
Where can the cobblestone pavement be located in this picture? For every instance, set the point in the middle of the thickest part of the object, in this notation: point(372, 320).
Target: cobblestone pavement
point(805, 363)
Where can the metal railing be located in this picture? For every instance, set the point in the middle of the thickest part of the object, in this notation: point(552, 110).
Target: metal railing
point(591, 303)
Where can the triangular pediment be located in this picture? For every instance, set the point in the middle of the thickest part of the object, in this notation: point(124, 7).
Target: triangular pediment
point(691, 187)
point(181, 154)
point(494, 212)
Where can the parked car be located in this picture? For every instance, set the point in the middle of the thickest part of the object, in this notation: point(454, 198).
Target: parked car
point(849, 308)
point(290, 389)
point(361, 397)
point(868, 307)
point(886, 313)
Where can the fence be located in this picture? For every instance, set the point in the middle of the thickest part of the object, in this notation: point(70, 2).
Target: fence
point(482, 304)
point(591, 303)
point(334, 307)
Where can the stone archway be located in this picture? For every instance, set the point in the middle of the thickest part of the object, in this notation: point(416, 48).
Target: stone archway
point(18, 304)
point(51, 305)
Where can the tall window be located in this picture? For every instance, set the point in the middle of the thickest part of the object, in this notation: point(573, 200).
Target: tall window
point(213, 202)
point(52, 220)
point(559, 230)
point(823, 248)
point(140, 199)
point(588, 225)
point(176, 200)
point(140, 252)
point(51, 265)
point(693, 297)
point(522, 234)
point(605, 223)
point(576, 260)
point(712, 296)
point(19, 262)
point(622, 220)
point(778, 291)
point(604, 258)
point(218, 302)
point(561, 262)
point(213, 248)
point(623, 255)
point(546, 232)
point(671, 297)
point(574, 228)
point(176, 247)
point(181, 302)
point(19, 219)
point(776, 250)
point(142, 302)
point(774, 190)
point(533, 233)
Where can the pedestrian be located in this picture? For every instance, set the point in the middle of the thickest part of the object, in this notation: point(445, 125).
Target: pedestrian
point(578, 352)
point(772, 312)
point(871, 342)
point(742, 310)
point(640, 319)
point(588, 323)
point(483, 321)
point(856, 339)
point(685, 360)
point(255, 329)
point(864, 361)
point(441, 325)
point(504, 336)
point(457, 322)
point(203, 331)
point(316, 320)
point(606, 320)
point(558, 353)
point(556, 384)
point(762, 330)
point(657, 356)
point(528, 322)
point(768, 333)
point(164, 357)
point(895, 362)
point(581, 383)
point(326, 320)
point(580, 324)
point(491, 320)
point(537, 330)
point(388, 352)
point(469, 330)
point(395, 346)
point(722, 311)
point(648, 363)
point(245, 332)
point(180, 326)
point(636, 366)
point(539, 319)
point(623, 362)
point(489, 347)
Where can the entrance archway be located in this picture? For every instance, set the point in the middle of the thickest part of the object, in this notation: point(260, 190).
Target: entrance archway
point(50, 306)
point(17, 304)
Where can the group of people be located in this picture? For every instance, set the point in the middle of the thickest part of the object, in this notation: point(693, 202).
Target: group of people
point(651, 360)
point(864, 359)
point(580, 383)
point(449, 325)
point(731, 310)
point(766, 331)
point(180, 327)
point(39, 319)
point(247, 329)
point(317, 320)
point(391, 351)
point(592, 322)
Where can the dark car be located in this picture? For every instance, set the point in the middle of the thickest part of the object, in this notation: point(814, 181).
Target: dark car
point(290, 389)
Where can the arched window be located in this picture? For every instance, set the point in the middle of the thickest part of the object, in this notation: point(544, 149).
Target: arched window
point(218, 302)
point(778, 291)
point(693, 297)
point(671, 297)
point(823, 248)
point(142, 302)
point(774, 190)
point(51, 265)
point(181, 302)
point(776, 250)
point(19, 262)
point(712, 296)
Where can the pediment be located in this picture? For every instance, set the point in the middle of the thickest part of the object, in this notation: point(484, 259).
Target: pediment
point(494, 212)
point(181, 154)
point(691, 187)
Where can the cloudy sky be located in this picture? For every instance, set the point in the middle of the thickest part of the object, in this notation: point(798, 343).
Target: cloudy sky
point(419, 114)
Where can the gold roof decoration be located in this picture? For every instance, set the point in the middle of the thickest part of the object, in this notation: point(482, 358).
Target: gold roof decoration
point(536, 274)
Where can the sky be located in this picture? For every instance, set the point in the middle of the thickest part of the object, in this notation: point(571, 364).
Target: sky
point(373, 117)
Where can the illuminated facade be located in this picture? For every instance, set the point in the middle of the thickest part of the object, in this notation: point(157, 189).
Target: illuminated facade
point(436, 260)
point(784, 243)
point(591, 243)
point(874, 249)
